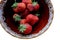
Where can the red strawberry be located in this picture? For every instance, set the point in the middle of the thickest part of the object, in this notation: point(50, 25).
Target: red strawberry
point(32, 19)
point(14, 6)
point(25, 13)
point(25, 28)
point(36, 6)
point(27, 1)
point(23, 21)
point(21, 7)
point(15, 10)
point(30, 7)
point(29, 18)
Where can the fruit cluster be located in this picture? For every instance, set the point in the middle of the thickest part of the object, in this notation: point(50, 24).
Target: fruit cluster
point(25, 7)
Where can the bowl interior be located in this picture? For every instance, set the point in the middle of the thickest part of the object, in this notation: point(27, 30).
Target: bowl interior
point(43, 18)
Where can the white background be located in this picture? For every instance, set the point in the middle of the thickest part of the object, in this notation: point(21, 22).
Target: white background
point(53, 33)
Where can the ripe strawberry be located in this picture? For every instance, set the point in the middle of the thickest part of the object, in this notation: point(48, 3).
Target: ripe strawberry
point(30, 7)
point(21, 7)
point(25, 13)
point(36, 6)
point(27, 1)
point(29, 18)
point(25, 28)
point(23, 21)
point(14, 6)
point(15, 10)
point(16, 17)
point(32, 19)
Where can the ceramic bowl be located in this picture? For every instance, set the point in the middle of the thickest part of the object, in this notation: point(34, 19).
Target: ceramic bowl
point(44, 22)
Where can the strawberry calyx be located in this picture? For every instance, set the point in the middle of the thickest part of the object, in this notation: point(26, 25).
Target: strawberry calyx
point(17, 17)
point(37, 14)
point(22, 28)
point(34, 3)
point(14, 4)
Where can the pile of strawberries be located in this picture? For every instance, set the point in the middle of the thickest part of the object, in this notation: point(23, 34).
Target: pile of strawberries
point(24, 8)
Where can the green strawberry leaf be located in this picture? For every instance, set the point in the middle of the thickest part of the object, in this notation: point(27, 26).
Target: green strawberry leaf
point(22, 28)
point(37, 14)
point(34, 3)
point(14, 5)
point(17, 17)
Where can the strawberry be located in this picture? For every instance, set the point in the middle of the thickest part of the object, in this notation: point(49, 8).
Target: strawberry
point(23, 21)
point(21, 7)
point(36, 6)
point(25, 13)
point(16, 17)
point(30, 7)
point(25, 28)
point(32, 19)
point(29, 18)
point(14, 6)
point(27, 1)
point(15, 10)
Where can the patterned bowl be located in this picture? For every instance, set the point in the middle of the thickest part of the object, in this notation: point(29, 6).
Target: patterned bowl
point(44, 22)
